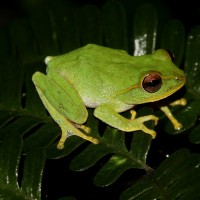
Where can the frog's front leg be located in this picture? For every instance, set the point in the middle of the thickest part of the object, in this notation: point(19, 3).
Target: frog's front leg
point(108, 115)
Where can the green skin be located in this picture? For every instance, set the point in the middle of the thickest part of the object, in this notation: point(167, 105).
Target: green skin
point(108, 80)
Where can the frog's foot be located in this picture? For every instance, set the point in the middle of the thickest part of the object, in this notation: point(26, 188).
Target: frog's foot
point(180, 102)
point(177, 125)
point(138, 123)
point(84, 128)
point(76, 131)
point(133, 114)
point(62, 140)
point(144, 118)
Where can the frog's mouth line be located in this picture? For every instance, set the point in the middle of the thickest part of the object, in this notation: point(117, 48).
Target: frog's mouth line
point(177, 78)
point(182, 80)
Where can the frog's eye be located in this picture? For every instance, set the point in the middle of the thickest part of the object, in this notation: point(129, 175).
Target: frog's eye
point(152, 82)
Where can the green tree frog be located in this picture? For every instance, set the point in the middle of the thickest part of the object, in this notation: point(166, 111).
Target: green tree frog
point(109, 80)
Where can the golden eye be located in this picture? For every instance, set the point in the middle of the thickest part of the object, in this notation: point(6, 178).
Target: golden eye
point(152, 82)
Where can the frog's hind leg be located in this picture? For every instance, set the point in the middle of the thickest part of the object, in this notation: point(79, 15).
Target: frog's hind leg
point(64, 105)
point(69, 129)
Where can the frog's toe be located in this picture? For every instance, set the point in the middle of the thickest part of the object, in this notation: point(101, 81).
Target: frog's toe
point(148, 131)
point(178, 126)
point(84, 128)
point(60, 145)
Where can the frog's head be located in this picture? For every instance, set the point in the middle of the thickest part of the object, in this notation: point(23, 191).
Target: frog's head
point(159, 79)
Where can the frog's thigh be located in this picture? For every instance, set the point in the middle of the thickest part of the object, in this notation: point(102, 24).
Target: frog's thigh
point(50, 98)
point(108, 115)
point(61, 95)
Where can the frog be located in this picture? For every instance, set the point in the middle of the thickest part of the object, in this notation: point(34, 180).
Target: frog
point(110, 81)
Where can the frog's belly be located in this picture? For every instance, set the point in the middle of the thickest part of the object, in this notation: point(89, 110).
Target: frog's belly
point(121, 107)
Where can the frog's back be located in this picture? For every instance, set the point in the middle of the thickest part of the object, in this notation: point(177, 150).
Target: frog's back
point(89, 52)
point(96, 72)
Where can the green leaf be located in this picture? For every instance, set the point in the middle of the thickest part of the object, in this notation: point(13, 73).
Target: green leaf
point(113, 143)
point(5, 46)
point(10, 153)
point(20, 116)
point(140, 146)
point(11, 79)
point(173, 38)
point(44, 31)
point(32, 174)
point(173, 179)
point(144, 23)
point(21, 34)
point(89, 25)
point(71, 144)
point(115, 25)
point(65, 25)
point(187, 115)
point(192, 62)
point(28, 135)
point(194, 135)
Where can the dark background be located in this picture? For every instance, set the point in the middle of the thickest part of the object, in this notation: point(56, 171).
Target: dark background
point(188, 12)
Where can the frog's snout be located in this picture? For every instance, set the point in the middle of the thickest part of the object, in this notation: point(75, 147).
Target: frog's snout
point(182, 79)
